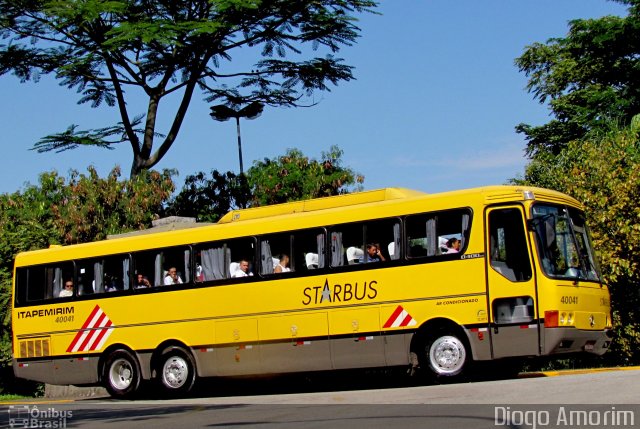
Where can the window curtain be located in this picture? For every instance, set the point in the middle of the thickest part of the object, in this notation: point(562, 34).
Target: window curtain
point(158, 279)
point(98, 276)
point(187, 266)
point(125, 273)
point(266, 259)
point(321, 243)
point(213, 263)
point(465, 227)
point(431, 237)
point(57, 281)
point(396, 242)
point(337, 252)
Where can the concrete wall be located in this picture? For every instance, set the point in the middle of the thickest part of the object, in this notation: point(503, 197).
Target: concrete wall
point(52, 391)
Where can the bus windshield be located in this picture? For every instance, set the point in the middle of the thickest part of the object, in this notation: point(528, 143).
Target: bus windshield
point(563, 242)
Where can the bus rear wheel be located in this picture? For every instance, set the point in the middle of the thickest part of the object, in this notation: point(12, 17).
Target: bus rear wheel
point(121, 374)
point(176, 371)
point(446, 356)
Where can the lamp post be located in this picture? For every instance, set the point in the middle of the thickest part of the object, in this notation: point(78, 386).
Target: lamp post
point(223, 113)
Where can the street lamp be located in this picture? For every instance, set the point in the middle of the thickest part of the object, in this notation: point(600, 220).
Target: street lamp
point(223, 113)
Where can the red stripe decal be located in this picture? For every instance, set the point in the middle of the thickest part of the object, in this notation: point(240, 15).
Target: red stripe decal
point(406, 320)
point(395, 314)
point(103, 331)
point(86, 323)
point(90, 334)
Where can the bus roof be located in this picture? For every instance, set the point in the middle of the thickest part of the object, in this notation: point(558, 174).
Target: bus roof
point(316, 204)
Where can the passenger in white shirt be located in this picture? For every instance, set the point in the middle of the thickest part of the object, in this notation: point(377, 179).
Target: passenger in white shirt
point(283, 265)
point(172, 277)
point(68, 289)
point(243, 269)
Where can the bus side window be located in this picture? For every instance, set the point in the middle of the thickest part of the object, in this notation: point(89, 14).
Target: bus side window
point(385, 235)
point(438, 233)
point(347, 241)
point(145, 263)
point(85, 278)
point(212, 262)
point(307, 250)
point(62, 274)
point(39, 283)
point(176, 265)
point(238, 250)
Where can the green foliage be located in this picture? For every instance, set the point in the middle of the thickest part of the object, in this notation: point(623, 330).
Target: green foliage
point(588, 77)
point(294, 177)
point(58, 211)
point(290, 177)
point(208, 200)
point(163, 48)
point(603, 172)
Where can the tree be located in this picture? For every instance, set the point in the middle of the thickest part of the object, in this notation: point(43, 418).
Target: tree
point(105, 48)
point(208, 199)
point(603, 172)
point(290, 177)
point(294, 177)
point(589, 77)
point(58, 211)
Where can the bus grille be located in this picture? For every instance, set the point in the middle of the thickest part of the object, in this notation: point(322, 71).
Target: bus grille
point(35, 347)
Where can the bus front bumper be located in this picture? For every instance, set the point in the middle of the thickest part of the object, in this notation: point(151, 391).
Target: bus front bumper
point(572, 340)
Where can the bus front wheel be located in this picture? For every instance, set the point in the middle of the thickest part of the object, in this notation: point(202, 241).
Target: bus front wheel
point(176, 371)
point(446, 355)
point(121, 374)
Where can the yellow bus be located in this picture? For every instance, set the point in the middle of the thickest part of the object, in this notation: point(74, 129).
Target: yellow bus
point(383, 278)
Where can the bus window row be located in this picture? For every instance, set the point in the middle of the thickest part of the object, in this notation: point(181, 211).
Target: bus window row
point(425, 235)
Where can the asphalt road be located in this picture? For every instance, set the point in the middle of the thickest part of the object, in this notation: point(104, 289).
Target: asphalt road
point(600, 399)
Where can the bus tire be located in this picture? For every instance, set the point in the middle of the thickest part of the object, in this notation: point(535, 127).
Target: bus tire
point(176, 372)
point(446, 355)
point(122, 374)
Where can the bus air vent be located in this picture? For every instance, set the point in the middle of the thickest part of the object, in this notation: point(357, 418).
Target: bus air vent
point(35, 347)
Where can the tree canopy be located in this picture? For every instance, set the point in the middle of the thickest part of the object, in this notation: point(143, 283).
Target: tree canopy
point(79, 209)
point(208, 198)
point(603, 172)
point(107, 49)
point(290, 177)
point(293, 176)
point(588, 77)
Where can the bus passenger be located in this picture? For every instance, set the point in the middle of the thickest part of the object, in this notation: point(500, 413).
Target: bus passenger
point(243, 269)
point(172, 277)
point(453, 245)
point(68, 289)
point(141, 282)
point(283, 265)
point(374, 254)
point(110, 283)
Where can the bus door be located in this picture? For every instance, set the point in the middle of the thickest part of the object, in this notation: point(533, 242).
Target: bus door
point(513, 308)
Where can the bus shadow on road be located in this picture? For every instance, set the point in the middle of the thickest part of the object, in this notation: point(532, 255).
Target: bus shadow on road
point(343, 380)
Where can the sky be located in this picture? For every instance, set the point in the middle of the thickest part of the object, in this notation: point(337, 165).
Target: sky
point(433, 107)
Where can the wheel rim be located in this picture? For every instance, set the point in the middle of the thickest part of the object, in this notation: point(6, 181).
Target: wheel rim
point(175, 372)
point(447, 355)
point(121, 374)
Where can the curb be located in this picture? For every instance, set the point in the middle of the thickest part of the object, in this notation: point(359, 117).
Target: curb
point(562, 372)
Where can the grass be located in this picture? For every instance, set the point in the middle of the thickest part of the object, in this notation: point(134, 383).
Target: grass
point(12, 397)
